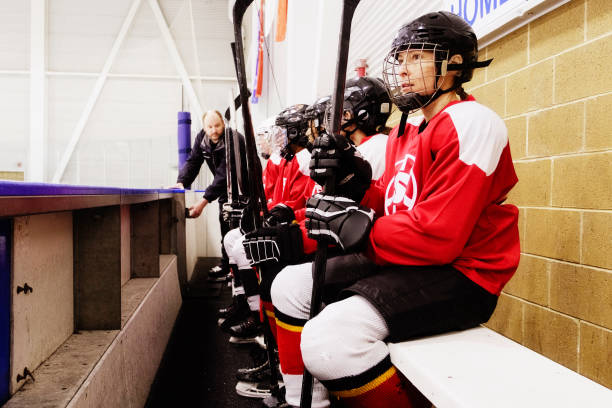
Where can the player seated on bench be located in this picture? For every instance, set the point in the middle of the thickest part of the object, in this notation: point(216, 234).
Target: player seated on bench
point(366, 108)
point(443, 243)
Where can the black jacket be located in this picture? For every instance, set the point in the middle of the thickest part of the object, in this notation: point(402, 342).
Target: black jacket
point(214, 155)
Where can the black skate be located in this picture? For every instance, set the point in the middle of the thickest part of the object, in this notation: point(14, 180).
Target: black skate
point(218, 274)
point(247, 328)
point(234, 313)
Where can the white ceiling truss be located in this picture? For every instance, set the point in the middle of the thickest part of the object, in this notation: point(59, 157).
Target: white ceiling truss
point(95, 93)
point(38, 125)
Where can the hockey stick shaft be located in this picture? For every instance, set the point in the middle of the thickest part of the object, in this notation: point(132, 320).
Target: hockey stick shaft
point(253, 164)
point(258, 199)
point(319, 264)
point(229, 164)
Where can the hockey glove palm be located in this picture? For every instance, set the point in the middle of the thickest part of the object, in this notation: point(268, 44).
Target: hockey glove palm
point(339, 219)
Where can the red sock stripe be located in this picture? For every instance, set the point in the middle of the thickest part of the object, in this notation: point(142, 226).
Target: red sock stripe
point(289, 352)
point(388, 390)
point(268, 311)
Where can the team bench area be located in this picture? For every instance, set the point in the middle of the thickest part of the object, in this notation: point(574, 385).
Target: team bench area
point(479, 368)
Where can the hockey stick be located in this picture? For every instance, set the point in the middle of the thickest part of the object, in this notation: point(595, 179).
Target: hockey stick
point(257, 201)
point(320, 261)
point(235, 190)
point(258, 204)
point(232, 188)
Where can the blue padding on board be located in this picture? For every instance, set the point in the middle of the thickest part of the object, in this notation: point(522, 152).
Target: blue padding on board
point(170, 190)
point(5, 309)
point(128, 191)
point(15, 188)
point(21, 189)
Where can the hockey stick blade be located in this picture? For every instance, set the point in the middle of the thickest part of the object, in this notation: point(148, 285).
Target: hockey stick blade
point(237, 104)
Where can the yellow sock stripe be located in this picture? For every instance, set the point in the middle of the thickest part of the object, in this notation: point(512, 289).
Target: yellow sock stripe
point(367, 387)
point(289, 327)
point(270, 313)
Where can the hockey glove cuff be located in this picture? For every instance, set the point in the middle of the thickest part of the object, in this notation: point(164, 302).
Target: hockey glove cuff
point(338, 219)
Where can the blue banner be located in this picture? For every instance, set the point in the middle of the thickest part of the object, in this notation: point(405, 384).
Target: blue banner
point(5, 308)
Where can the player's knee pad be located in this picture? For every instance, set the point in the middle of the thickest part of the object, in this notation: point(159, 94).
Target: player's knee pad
point(234, 249)
point(291, 290)
point(345, 339)
point(229, 240)
point(321, 345)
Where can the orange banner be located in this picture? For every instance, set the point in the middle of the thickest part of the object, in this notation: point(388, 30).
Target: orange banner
point(281, 21)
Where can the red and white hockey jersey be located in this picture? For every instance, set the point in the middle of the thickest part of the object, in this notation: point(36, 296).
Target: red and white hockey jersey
point(293, 184)
point(270, 174)
point(372, 148)
point(440, 197)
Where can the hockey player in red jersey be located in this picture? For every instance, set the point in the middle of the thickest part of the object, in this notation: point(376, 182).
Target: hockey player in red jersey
point(270, 140)
point(366, 108)
point(443, 244)
point(289, 191)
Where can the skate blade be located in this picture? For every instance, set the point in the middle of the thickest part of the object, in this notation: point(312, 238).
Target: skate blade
point(238, 340)
point(251, 390)
point(261, 341)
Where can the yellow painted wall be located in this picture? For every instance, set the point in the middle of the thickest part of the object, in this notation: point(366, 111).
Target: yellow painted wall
point(551, 83)
point(11, 175)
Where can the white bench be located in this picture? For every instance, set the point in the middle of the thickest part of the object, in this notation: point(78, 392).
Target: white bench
point(479, 368)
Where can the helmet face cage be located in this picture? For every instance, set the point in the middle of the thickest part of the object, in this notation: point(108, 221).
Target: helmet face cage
point(406, 64)
point(278, 139)
point(262, 142)
point(315, 114)
point(294, 123)
point(365, 104)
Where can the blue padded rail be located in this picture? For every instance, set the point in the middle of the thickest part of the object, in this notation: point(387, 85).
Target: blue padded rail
point(5, 308)
point(16, 189)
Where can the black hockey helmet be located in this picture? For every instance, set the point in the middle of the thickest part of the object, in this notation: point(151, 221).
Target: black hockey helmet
point(316, 112)
point(367, 100)
point(295, 123)
point(444, 33)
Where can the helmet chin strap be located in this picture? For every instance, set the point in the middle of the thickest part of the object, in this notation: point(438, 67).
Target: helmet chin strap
point(350, 122)
point(286, 152)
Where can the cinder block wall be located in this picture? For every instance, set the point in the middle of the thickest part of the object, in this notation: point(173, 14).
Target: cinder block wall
point(551, 83)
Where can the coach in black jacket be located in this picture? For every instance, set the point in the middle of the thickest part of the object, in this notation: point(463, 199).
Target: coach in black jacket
point(209, 147)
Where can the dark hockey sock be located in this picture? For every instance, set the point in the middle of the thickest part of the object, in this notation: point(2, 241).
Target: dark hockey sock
point(251, 287)
point(248, 277)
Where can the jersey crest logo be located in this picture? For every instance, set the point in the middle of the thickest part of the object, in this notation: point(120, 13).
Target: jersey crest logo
point(402, 190)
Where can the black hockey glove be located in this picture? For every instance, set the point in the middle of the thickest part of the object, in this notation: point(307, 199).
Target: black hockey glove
point(246, 222)
point(280, 214)
point(339, 219)
point(281, 243)
point(338, 157)
point(232, 213)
